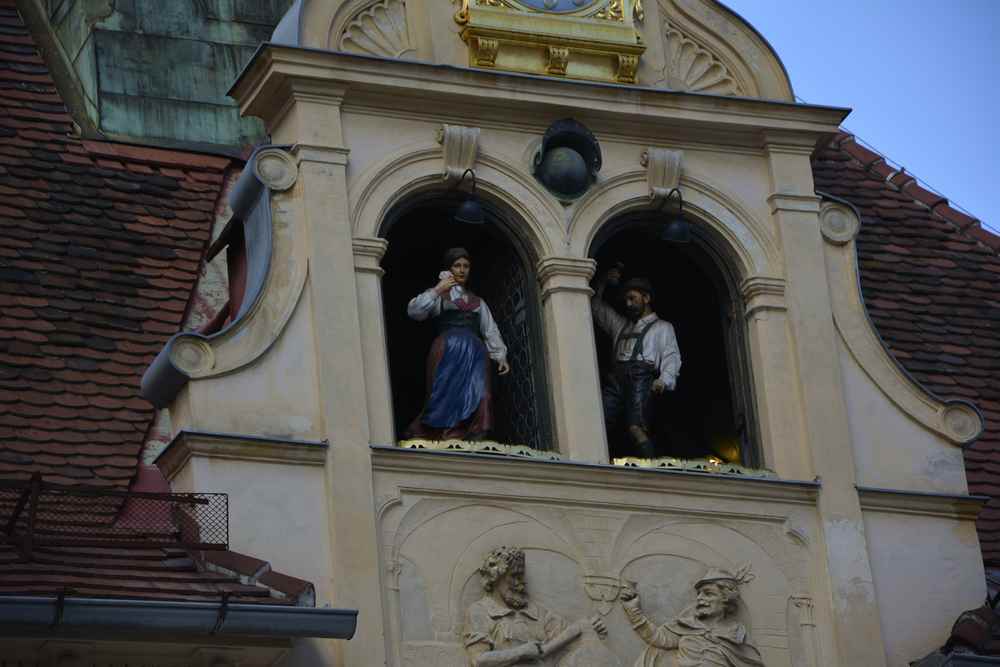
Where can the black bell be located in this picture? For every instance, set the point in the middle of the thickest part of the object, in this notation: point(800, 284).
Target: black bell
point(470, 211)
point(568, 159)
point(677, 229)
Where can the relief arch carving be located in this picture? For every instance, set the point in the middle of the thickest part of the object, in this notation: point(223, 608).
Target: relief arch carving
point(579, 559)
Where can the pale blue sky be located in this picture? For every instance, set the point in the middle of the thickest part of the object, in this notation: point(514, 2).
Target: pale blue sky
point(921, 75)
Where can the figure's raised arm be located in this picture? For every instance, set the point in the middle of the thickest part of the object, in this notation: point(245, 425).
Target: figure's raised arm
point(606, 317)
point(660, 638)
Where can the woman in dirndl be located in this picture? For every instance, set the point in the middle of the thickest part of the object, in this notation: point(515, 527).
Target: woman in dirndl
point(459, 394)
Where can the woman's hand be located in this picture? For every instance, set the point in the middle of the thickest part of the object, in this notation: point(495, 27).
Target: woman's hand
point(446, 284)
point(503, 367)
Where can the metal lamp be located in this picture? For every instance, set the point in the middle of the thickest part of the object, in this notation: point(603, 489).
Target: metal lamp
point(470, 211)
point(677, 229)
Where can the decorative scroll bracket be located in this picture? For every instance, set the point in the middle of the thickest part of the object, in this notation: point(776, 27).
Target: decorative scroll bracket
point(460, 146)
point(663, 171)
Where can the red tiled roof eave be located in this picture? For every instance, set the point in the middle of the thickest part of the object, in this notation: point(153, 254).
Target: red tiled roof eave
point(100, 251)
point(930, 277)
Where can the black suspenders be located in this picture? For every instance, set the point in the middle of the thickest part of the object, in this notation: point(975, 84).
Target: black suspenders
point(640, 338)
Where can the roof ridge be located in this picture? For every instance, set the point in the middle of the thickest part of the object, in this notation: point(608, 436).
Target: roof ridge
point(902, 181)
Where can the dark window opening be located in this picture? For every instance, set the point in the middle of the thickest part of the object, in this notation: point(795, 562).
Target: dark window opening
point(710, 413)
point(503, 276)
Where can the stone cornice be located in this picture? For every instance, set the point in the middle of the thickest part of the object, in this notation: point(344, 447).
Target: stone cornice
point(942, 505)
point(238, 447)
point(278, 71)
point(555, 473)
point(792, 202)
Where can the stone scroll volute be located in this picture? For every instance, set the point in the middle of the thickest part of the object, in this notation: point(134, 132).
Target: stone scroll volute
point(459, 148)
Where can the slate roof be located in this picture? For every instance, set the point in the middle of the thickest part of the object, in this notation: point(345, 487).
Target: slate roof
point(100, 248)
point(930, 276)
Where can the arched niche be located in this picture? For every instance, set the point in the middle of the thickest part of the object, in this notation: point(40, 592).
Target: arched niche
point(419, 228)
point(711, 413)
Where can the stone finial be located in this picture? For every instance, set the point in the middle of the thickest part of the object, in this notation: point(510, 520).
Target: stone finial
point(459, 146)
point(663, 171)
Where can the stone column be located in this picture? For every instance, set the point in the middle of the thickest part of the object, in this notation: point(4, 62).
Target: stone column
point(572, 359)
point(795, 213)
point(779, 403)
point(368, 253)
point(311, 121)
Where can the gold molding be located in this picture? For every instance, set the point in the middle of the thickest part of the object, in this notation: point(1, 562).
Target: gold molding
point(480, 447)
point(695, 465)
point(594, 48)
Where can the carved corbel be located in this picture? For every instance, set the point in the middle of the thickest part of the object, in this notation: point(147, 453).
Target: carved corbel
point(558, 60)
point(628, 68)
point(459, 148)
point(486, 50)
point(663, 171)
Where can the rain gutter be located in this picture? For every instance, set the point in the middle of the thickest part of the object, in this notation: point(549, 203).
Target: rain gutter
point(21, 615)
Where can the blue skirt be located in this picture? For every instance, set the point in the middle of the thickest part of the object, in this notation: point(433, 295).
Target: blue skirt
point(459, 384)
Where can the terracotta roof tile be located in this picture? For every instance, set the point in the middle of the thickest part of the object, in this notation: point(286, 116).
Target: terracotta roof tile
point(930, 276)
point(89, 288)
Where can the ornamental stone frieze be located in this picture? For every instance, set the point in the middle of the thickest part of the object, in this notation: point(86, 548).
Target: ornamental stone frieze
point(511, 562)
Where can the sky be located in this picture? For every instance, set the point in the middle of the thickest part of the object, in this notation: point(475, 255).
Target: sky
point(922, 78)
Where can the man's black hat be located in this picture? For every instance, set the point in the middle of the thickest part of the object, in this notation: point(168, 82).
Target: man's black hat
point(640, 285)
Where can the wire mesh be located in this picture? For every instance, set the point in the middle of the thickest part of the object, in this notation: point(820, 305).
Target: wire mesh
point(35, 513)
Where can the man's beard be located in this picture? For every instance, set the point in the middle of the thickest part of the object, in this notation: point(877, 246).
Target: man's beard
point(515, 599)
point(634, 312)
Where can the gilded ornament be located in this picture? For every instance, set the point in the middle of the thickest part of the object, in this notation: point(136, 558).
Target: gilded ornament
point(486, 51)
point(613, 11)
point(628, 66)
point(558, 60)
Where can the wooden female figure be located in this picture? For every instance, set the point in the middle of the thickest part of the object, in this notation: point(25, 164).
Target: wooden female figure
point(459, 394)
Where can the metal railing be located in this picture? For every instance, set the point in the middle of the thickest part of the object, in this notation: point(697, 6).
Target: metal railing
point(34, 513)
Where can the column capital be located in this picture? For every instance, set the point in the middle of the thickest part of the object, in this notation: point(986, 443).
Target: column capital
point(565, 274)
point(368, 254)
point(762, 293)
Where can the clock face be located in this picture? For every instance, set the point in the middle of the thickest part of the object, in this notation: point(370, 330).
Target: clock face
point(559, 6)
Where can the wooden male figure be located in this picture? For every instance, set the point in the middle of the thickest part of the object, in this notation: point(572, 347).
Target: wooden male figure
point(646, 359)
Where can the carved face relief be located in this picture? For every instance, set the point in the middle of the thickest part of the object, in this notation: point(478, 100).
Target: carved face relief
point(710, 602)
point(511, 587)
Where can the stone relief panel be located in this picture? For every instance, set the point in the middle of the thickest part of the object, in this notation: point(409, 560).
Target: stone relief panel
point(496, 581)
point(380, 29)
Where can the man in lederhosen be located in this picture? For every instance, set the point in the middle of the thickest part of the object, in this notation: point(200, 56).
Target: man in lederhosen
point(645, 354)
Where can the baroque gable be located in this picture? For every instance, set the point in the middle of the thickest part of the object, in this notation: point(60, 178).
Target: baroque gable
point(683, 45)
